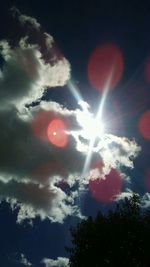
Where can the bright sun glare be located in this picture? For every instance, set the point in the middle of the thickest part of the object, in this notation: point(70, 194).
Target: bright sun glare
point(92, 127)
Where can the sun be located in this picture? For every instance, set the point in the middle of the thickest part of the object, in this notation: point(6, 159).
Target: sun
point(94, 128)
point(91, 125)
point(91, 130)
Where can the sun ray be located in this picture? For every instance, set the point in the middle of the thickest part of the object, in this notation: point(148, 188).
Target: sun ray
point(74, 91)
point(97, 120)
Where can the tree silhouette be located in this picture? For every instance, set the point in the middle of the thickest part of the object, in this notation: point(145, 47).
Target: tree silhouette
point(120, 238)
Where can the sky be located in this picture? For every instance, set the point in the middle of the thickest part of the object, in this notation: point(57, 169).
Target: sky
point(75, 120)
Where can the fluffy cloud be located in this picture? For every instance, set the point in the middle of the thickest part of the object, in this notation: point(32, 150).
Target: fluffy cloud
point(24, 261)
point(30, 66)
point(35, 176)
point(31, 169)
point(117, 152)
point(60, 262)
point(25, 75)
point(126, 194)
point(145, 202)
point(17, 259)
point(113, 151)
point(36, 200)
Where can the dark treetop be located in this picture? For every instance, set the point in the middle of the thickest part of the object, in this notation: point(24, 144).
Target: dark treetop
point(119, 238)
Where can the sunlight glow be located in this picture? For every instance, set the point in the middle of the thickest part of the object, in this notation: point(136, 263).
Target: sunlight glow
point(92, 126)
point(98, 119)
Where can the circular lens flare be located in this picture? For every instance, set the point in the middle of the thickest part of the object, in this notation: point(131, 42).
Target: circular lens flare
point(40, 123)
point(106, 190)
point(57, 133)
point(105, 64)
point(144, 125)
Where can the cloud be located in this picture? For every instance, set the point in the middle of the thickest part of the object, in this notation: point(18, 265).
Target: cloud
point(23, 19)
point(18, 259)
point(60, 262)
point(32, 169)
point(30, 65)
point(35, 200)
point(24, 261)
point(36, 177)
point(114, 151)
point(126, 194)
point(117, 152)
point(145, 201)
point(25, 75)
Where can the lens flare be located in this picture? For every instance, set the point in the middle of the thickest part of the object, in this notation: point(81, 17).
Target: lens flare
point(144, 125)
point(40, 123)
point(105, 61)
point(106, 190)
point(57, 133)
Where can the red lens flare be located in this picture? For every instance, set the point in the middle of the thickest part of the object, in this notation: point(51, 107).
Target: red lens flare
point(47, 127)
point(144, 125)
point(105, 62)
point(106, 190)
point(57, 133)
point(40, 124)
point(147, 180)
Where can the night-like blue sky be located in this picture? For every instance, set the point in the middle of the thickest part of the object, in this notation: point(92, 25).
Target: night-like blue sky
point(75, 120)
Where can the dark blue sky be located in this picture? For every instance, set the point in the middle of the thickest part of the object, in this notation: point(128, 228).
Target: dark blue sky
point(78, 27)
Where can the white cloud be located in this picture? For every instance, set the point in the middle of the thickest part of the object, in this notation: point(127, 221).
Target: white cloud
point(114, 151)
point(35, 200)
point(60, 262)
point(126, 194)
point(30, 66)
point(145, 201)
point(39, 194)
point(25, 75)
point(24, 261)
point(18, 259)
point(117, 152)
point(21, 153)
